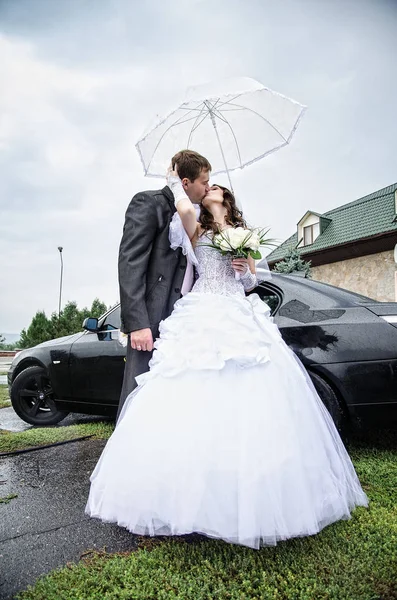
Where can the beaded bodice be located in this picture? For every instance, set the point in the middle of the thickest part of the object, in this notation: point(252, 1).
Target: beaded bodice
point(215, 272)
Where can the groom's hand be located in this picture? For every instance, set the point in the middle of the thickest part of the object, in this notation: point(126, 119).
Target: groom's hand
point(142, 340)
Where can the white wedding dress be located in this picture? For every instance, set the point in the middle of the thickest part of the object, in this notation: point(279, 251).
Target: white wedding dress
point(225, 435)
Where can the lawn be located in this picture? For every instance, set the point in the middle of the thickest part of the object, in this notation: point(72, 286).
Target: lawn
point(350, 560)
point(39, 436)
point(4, 396)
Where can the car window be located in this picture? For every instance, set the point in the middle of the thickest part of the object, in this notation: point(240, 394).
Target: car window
point(112, 320)
point(272, 301)
point(269, 296)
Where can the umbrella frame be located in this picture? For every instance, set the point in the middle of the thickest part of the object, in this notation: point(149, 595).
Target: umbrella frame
point(211, 104)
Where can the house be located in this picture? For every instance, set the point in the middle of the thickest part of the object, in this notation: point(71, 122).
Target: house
point(351, 246)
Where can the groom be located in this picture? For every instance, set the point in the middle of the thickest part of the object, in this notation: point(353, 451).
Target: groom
point(151, 274)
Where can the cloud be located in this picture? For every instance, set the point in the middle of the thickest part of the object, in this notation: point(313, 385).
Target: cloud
point(81, 85)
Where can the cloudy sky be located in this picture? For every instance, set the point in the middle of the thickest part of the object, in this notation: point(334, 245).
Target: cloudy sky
point(82, 79)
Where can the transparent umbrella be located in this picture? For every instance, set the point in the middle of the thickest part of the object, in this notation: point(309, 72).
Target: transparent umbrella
point(232, 122)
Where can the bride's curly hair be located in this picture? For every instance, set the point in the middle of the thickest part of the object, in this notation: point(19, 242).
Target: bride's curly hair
point(234, 216)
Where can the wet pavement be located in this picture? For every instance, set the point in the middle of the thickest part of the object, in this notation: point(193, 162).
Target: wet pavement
point(45, 526)
point(10, 421)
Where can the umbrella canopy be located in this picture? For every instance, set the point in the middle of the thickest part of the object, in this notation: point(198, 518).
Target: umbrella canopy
point(233, 123)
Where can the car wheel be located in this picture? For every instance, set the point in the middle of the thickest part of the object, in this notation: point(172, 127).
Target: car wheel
point(332, 404)
point(32, 398)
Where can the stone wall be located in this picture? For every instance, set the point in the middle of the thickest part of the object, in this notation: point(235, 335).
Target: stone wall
point(372, 275)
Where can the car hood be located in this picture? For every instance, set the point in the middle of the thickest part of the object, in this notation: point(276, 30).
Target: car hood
point(383, 308)
point(27, 352)
point(55, 342)
point(386, 311)
point(61, 340)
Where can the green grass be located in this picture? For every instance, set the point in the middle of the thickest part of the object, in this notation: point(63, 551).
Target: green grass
point(4, 396)
point(7, 499)
point(349, 560)
point(3, 372)
point(38, 436)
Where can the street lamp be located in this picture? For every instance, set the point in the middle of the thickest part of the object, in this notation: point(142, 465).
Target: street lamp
point(60, 285)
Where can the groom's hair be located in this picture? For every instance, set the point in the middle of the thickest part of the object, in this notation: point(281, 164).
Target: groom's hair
point(190, 164)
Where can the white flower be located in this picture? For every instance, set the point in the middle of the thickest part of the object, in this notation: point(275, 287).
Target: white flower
point(234, 238)
point(225, 245)
point(254, 242)
point(239, 236)
point(222, 241)
point(241, 241)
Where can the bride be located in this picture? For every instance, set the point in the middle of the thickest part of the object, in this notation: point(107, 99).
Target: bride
point(225, 435)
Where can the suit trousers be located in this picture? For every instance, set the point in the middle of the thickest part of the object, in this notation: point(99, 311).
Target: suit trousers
point(137, 362)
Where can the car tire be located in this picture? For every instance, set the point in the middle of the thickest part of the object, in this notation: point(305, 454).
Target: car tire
point(32, 398)
point(333, 405)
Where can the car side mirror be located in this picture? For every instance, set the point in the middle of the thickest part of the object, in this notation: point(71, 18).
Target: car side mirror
point(91, 324)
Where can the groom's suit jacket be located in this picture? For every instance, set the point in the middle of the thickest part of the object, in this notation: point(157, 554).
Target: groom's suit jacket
point(150, 274)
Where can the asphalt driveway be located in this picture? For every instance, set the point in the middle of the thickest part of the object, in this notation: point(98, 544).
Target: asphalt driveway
point(45, 526)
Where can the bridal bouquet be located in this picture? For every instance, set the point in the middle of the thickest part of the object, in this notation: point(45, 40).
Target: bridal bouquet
point(241, 242)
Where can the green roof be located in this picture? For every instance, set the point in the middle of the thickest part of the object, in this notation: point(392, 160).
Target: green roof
point(359, 219)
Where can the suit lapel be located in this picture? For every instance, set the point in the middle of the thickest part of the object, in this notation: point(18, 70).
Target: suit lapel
point(170, 198)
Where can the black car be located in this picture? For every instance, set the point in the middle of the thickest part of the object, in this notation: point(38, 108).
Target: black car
point(347, 343)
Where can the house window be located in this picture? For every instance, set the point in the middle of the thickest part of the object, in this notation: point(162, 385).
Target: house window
point(310, 233)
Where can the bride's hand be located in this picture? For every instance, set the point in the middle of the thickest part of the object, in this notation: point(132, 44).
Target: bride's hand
point(172, 175)
point(240, 265)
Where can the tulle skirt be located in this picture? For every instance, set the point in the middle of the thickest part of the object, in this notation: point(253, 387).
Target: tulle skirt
point(224, 436)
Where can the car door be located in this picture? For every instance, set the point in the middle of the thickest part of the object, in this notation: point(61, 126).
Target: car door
point(97, 363)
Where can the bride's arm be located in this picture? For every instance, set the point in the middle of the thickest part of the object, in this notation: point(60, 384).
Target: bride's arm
point(249, 279)
point(251, 265)
point(183, 205)
point(247, 270)
point(187, 213)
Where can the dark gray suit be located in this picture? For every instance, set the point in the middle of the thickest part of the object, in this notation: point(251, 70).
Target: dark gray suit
point(150, 274)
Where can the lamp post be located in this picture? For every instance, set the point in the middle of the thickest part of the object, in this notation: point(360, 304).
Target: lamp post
point(60, 285)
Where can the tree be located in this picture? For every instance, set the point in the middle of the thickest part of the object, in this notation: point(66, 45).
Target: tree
point(68, 322)
point(71, 318)
point(97, 308)
point(40, 330)
point(5, 346)
point(293, 262)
